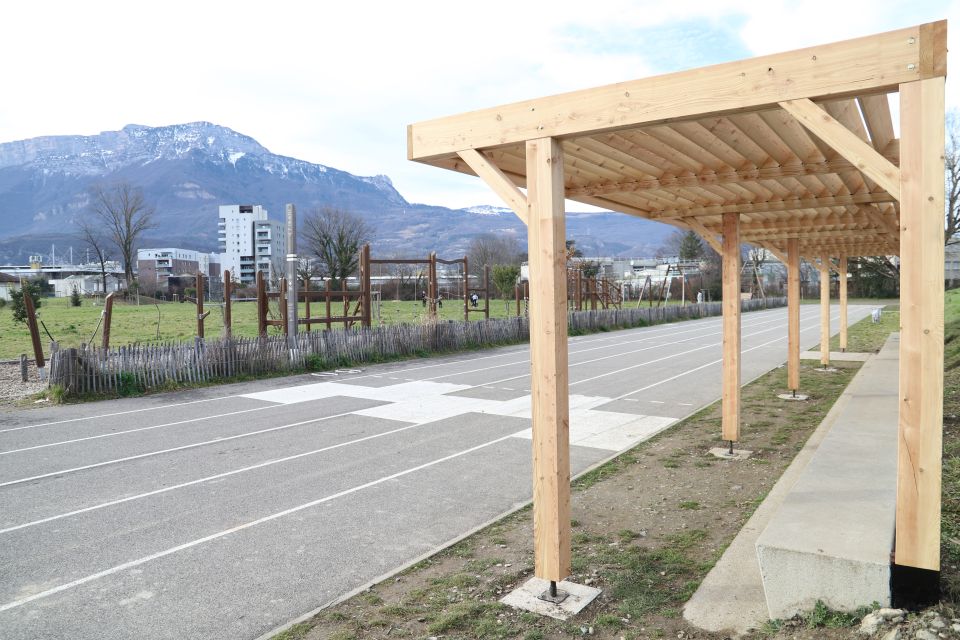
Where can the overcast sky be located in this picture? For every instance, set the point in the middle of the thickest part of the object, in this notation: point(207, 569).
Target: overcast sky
point(337, 83)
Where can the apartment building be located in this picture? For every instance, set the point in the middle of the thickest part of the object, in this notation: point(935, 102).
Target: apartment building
point(250, 242)
point(156, 266)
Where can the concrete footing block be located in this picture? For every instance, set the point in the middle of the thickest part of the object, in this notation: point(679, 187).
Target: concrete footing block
point(798, 397)
point(726, 454)
point(527, 597)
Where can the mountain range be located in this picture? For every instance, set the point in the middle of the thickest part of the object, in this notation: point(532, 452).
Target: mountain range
point(187, 170)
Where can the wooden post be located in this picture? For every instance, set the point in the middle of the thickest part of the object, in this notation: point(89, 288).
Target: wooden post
point(365, 284)
point(262, 305)
point(107, 320)
point(24, 375)
point(306, 300)
point(578, 289)
point(548, 356)
point(921, 320)
point(466, 290)
point(329, 293)
point(432, 286)
point(793, 314)
point(282, 304)
point(825, 311)
point(731, 328)
point(200, 315)
point(486, 292)
point(227, 310)
point(842, 275)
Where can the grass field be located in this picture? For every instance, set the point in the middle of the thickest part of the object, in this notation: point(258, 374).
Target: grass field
point(170, 321)
point(166, 321)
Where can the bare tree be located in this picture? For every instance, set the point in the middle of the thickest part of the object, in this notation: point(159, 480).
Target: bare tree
point(90, 234)
point(490, 249)
point(122, 213)
point(335, 237)
point(306, 269)
point(952, 164)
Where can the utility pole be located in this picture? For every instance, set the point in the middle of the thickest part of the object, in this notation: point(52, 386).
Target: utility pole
point(292, 276)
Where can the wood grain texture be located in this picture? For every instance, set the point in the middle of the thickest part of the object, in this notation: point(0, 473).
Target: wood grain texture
point(921, 318)
point(546, 237)
point(731, 328)
point(793, 314)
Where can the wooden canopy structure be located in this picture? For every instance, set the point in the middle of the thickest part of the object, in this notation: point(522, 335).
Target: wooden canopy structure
point(795, 152)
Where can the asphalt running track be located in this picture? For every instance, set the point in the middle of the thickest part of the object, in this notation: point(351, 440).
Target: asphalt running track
point(227, 512)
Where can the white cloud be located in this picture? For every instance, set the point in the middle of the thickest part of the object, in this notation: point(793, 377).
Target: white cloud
point(337, 83)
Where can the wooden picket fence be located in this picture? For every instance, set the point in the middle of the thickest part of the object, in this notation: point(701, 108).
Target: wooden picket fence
point(122, 370)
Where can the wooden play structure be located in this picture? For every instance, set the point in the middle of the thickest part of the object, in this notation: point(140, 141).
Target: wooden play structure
point(795, 152)
point(592, 292)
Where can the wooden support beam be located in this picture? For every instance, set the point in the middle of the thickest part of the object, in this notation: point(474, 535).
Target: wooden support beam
point(824, 310)
point(921, 321)
point(793, 314)
point(546, 237)
point(771, 206)
point(731, 328)
point(107, 321)
point(708, 236)
point(714, 178)
point(873, 64)
point(842, 274)
point(227, 304)
point(496, 180)
point(846, 143)
point(779, 255)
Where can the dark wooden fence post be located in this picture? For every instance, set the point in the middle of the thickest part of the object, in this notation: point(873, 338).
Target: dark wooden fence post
point(466, 289)
point(486, 291)
point(200, 314)
point(227, 309)
point(34, 330)
point(261, 305)
point(367, 295)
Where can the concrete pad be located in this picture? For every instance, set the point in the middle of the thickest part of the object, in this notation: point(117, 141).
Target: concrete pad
point(827, 369)
point(608, 430)
point(841, 356)
point(527, 597)
point(795, 397)
point(737, 454)
point(831, 538)
point(492, 393)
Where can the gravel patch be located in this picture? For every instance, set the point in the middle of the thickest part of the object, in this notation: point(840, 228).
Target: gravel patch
point(12, 389)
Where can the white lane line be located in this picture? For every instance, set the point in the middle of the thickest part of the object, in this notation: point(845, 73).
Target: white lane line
point(274, 516)
point(673, 355)
point(156, 426)
point(118, 413)
point(656, 346)
point(507, 351)
point(171, 450)
point(704, 366)
point(218, 476)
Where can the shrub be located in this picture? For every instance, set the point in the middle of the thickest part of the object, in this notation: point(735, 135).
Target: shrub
point(75, 300)
point(16, 300)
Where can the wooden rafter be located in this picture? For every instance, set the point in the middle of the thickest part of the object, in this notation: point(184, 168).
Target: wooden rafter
point(775, 205)
point(846, 143)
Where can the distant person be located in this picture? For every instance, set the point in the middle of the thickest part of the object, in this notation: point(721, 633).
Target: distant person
point(423, 298)
point(699, 297)
point(440, 301)
point(474, 299)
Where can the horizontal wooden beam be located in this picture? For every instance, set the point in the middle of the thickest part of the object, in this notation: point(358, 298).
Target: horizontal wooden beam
point(498, 181)
point(873, 64)
point(774, 205)
point(710, 178)
point(846, 143)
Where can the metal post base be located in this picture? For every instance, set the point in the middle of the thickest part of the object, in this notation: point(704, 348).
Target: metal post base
point(553, 594)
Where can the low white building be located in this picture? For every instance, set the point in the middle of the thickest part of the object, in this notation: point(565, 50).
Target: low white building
point(8, 284)
point(86, 285)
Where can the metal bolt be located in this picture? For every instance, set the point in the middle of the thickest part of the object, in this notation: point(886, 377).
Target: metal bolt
point(911, 40)
point(911, 66)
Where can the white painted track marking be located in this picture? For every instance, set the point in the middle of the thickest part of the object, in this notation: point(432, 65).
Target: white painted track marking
point(226, 474)
point(274, 516)
point(121, 433)
point(171, 450)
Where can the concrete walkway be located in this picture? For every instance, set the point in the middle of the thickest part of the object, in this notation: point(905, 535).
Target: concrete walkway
point(731, 597)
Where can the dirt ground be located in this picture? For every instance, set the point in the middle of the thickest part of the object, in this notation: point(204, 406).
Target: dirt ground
point(646, 528)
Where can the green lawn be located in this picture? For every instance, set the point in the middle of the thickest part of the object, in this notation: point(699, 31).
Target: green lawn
point(71, 326)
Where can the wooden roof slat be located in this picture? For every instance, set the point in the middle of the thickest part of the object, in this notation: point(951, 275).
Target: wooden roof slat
point(878, 120)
